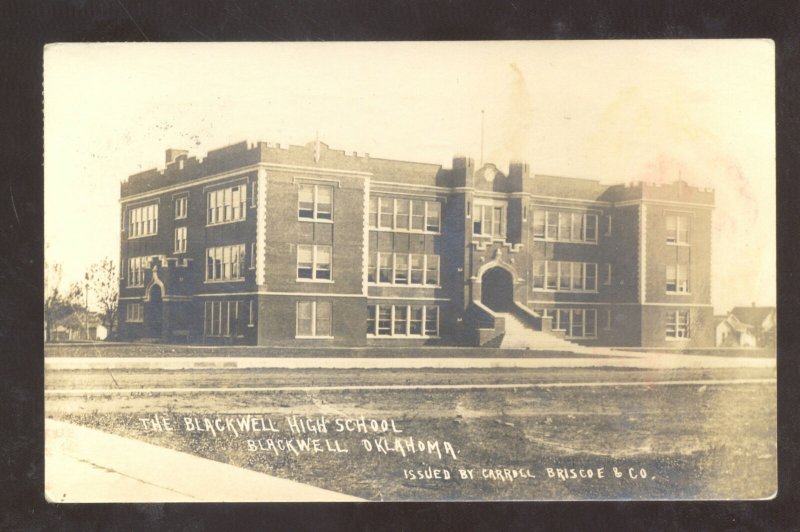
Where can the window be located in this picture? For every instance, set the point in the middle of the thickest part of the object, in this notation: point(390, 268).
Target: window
point(677, 324)
point(490, 220)
point(607, 280)
point(225, 318)
point(253, 191)
point(315, 202)
point(251, 316)
point(314, 319)
point(608, 225)
point(225, 263)
point(576, 323)
point(143, 221)
point(252, 255)
point(180, 240)
point(181, 207)
point(133, 313)
point(539, 223)
point(227, 205)
point(402, 214)
point(402, 320)
point(564, 226)
point(678, 278)
point(136, 269)
point(565, 276)
point(314, 262)
point(677, 229)
point(403, 269)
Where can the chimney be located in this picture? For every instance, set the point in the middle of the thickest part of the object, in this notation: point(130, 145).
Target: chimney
point(174, 154)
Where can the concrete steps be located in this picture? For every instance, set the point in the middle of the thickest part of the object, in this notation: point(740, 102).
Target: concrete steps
point(520, 335)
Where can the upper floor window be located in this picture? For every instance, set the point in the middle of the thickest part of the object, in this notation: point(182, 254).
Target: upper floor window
point(143, 221)
point(403, 269)
point(314, 262)
point(315, 202)
point(401, 214)
point(489, 220)
point(564, 226)
point(678, 278)
point(136, 268)
point(180, 240)
point(677, 325)
point(565, 276)
point(225, 263)
point(227, 205)
point(678, 227)
point(181, 207)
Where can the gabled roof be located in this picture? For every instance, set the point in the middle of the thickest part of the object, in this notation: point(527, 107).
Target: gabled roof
point(753, 316)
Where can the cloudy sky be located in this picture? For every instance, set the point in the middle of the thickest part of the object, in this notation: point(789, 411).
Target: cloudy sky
point(617, 111)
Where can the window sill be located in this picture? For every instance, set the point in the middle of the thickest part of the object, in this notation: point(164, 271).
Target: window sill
point(679, 244)
point(392, 285)
point(670, 293)
point(411, 231)
point(181, 217)
point(221, 281)
point(554, 291)
point(400, 336)
point(142, 236)
point(320, 281)
point(226, 223)
point(315, 220)
point(304, 337)
point(540, 239)
point(134, 321)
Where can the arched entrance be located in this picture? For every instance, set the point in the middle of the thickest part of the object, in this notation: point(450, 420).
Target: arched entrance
point(497, 289)
point(154, 313)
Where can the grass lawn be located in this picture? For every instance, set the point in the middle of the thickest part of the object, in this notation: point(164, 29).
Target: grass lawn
point(691, 441)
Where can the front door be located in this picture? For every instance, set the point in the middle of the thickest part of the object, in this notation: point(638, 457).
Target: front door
point(497, 290)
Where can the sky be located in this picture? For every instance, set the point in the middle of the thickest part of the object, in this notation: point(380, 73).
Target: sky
point(615, 111)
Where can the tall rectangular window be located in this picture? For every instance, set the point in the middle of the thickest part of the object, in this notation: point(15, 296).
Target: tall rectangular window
point(415, 322)
point(384, 320)
point(224, 318)
point(565, 226)
point(181, 207)
point(576, 323)
point(313, 319)
point(433, 212)
point(678, 227)
point(372, 268)
point(136, 270)
point(226, 205)
point(590, 228)
point(578, 271)
point(590, 279)
point(417, 216)
point(400, 320)
point(315, 202)
point(371, 309)
point(539, 223)
point(402, 219)
point(538, 274)
point(489, 220)
point(677, 324)
point(678, 278)
point(401, 268)
point(386, 267)
point(314, 262)
point(373, 211)
point(253, 193)
point(143, 221)
point(432, 269)
point(225, 263)
point(431, 320)
point(552, 225)
point(252, 255)
point(180, 240)
point(418, 269)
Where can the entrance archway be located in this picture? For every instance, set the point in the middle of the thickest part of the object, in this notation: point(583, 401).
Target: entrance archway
point(154, 313)
point(497, 289)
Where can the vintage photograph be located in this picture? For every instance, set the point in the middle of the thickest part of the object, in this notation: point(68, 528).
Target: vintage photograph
point(410, 271)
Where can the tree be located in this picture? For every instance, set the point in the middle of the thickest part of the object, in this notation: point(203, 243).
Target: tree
point(57, 303)
point(103, 282)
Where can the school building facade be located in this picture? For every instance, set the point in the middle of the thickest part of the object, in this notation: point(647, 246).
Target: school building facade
point(259, 244)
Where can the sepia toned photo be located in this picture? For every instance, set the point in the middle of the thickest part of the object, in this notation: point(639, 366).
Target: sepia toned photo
point(424, 271)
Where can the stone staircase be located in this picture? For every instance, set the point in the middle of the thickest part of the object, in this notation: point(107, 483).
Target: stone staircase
point(519, 335)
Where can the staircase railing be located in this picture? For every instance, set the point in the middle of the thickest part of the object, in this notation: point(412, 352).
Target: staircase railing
point(487, 325)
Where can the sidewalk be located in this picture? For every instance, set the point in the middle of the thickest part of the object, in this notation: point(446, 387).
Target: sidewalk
point(605, 359)
point(87, 465)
